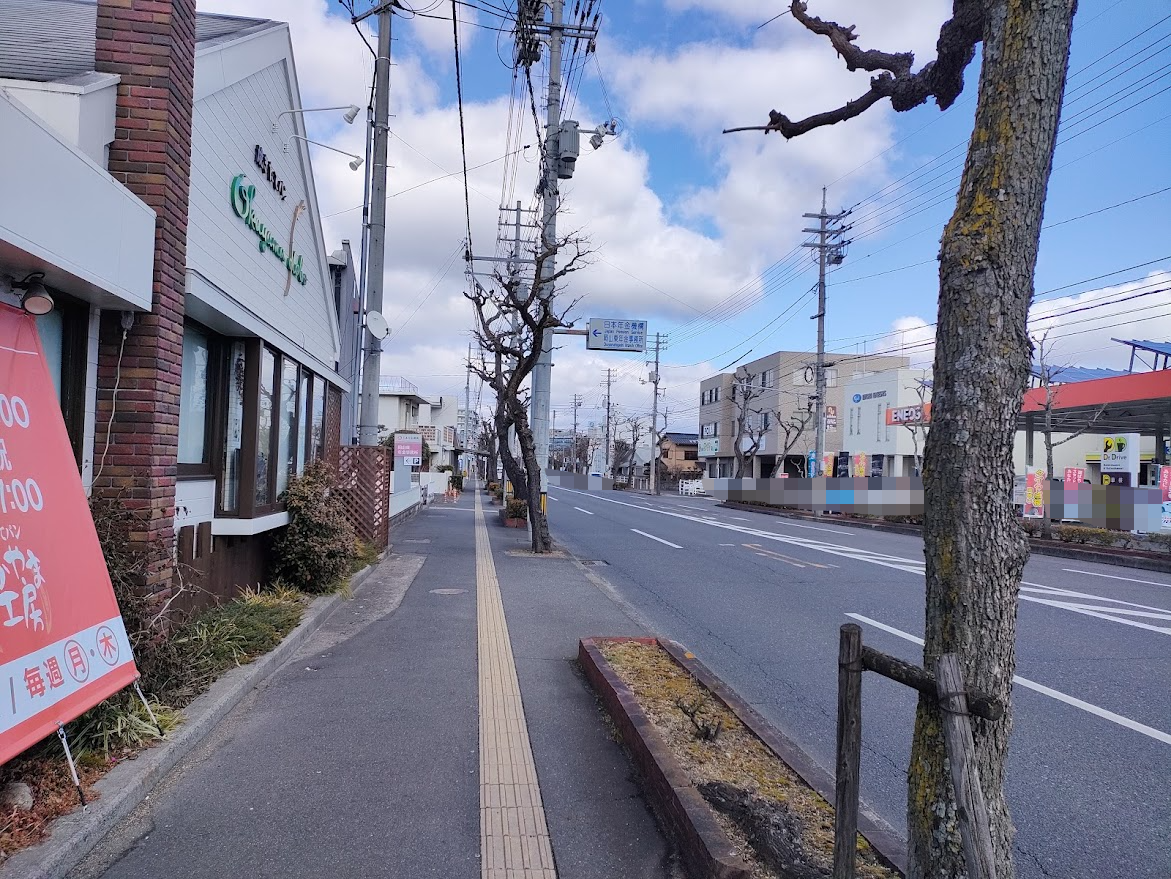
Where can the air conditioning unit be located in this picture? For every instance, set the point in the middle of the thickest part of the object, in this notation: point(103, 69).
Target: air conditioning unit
point(569, 148)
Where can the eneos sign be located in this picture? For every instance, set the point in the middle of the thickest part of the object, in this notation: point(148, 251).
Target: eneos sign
point(63, 647)
point(909, 415)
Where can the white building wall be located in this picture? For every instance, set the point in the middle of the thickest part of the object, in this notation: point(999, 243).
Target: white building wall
point(222, 251)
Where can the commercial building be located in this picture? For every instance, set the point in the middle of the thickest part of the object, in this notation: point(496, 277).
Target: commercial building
point(153, 182)
point(885, 419)
point(782, 387)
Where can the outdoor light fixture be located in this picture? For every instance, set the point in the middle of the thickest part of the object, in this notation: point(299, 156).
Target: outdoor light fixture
point(35, 299)
point(352, 111)
point(599, 135)
point(354, 165)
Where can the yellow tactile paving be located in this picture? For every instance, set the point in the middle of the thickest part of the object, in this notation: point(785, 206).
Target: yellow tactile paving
point(514, 839)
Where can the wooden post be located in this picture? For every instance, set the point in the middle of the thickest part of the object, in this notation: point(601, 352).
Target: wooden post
point(909, 675)
point(849, 751)
point(975, 830)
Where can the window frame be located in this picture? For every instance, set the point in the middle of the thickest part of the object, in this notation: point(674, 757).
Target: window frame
point(216, 403)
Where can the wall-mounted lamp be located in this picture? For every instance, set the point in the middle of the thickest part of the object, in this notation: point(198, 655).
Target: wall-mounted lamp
point(354, 165)
point(352, 111)
point(35, 299)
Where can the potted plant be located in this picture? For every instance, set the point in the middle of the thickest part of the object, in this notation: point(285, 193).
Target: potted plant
point(515, 514)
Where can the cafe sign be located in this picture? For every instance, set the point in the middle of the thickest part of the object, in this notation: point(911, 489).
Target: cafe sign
point(243, 197)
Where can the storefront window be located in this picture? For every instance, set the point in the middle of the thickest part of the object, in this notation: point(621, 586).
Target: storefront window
point(306, 413)
point(264, 416)
point(233, 431)
point(286, 459)
point(193, 398)
point(51, 328)
point(320, 389)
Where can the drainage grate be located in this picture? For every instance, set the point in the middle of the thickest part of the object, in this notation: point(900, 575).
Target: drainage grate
point(597, 563)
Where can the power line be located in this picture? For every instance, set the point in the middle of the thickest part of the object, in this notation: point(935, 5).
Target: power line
point(463, 143)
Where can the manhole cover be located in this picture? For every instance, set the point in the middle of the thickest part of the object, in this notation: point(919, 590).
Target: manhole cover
point(595, 562)
point(448, 591)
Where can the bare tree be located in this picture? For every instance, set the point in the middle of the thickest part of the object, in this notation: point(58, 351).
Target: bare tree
point(622, 451)
point(918, 430)
point(974, 552)
point(1047, 373)
point(793, 428)
point(749, 425)
point(512, 320)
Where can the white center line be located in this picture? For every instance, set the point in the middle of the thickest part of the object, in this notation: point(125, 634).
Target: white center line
point(652, 537)
point(580, 510)
point(1150, 731)
point(1115, 577)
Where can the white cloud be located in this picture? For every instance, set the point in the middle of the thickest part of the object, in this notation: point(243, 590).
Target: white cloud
point(1081, 328)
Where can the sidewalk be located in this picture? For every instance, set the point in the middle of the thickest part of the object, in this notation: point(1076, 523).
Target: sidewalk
point(361, 757)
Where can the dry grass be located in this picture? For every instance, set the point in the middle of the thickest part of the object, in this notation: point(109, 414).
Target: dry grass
point(53, 796)
point(736, 757)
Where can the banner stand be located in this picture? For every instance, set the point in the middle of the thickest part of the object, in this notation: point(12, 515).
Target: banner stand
point(146, 705)
point(72, 766)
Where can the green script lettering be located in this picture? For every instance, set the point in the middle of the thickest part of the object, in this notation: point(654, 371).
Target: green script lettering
point(242, 196)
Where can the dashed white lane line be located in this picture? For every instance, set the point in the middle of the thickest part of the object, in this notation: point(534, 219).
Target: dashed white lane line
point(1115, 577)
point(652, 537)
point(1149, 731)
point(580, 510)
point(552, 498)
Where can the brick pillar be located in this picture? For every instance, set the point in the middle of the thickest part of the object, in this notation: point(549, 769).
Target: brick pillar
point(151, 45)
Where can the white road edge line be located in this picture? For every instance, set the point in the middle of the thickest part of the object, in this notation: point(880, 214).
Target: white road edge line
point(587, 512)
point(1115, 577)
point(1150, 731)
point(652, 537)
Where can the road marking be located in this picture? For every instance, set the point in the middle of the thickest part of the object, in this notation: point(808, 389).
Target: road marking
point(587, 512)
point(514, 836)
point(738, 518)
point(727, 544)
point(1111, 613)
point(1115, 577)
point(552, 498)
point(769, 553)
point(1149, 731)
point(652, 537)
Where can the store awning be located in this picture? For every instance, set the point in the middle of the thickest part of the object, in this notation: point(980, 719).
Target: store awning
point(1133, 403)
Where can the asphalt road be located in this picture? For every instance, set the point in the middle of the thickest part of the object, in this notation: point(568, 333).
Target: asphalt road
point(760, 599)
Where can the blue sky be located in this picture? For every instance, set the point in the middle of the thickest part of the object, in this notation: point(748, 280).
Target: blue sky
point(718, 210)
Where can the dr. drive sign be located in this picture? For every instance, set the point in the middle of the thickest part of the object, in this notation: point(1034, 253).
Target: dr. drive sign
point(63, 647)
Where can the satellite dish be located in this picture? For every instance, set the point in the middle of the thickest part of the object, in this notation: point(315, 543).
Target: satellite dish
point(377, 325)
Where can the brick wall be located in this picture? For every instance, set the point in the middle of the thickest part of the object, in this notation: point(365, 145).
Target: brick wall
point(151, 45)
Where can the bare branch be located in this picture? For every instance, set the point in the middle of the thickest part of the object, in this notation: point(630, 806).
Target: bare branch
point(942, 78)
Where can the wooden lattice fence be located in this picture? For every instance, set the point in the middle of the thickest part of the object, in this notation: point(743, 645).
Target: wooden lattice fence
point(364, 483)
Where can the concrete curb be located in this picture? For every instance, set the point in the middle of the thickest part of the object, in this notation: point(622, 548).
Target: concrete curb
point(1120, 559)
point(682, 811)
point(125, 786)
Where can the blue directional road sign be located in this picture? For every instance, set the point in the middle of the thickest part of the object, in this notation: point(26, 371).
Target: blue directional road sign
point(616, 335)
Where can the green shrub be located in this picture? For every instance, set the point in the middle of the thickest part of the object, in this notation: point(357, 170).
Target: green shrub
point(444, 468)
point(1160, 541)
point(516, 509)
point(493, 487)
point(1031, 527)
point(621, 486)
point(457, 481)
point(314, 552)
point(365, 554)
point(1083, 534)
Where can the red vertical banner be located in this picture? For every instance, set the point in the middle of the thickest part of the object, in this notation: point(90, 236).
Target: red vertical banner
point(1036, 490)
point(1074, 475)
point(63, 647)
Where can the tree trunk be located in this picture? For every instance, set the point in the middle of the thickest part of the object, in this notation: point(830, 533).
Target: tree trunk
point(512, 467)
point(538, 523)
point(974, 550)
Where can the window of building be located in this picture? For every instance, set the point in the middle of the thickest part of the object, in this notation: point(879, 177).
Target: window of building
point(878, 423)
point(768, 378)
point(317, 435)
point(710, 429)
point(233, 430)
point(194, 405)
point(831, 377)
point(690, 455)
point(765, 421)
point(305, 415)
point(64, 335)
point(266, 406)
point(286, 454)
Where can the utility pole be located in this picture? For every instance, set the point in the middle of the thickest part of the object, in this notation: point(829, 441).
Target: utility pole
point(576, 455)
point(655, 418)
point(829, 251)
point(543, 372)
point(609, 375)
point(372, 362)
point(467, 409)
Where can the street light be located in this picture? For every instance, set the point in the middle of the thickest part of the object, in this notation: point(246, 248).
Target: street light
point(352, 111)
point(355, 164)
